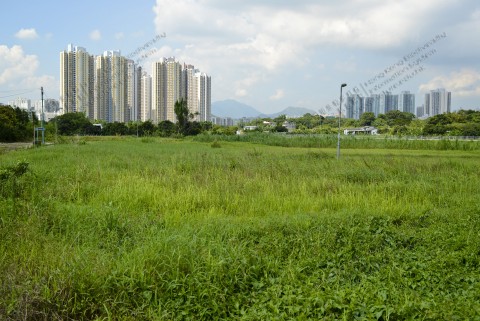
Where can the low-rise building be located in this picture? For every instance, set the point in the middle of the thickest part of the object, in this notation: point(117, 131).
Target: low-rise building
point(367, 130)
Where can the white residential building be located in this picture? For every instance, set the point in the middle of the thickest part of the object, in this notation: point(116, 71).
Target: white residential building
point(354, 106)
point(166, 89)
point(406, 102)
point(111, 81)
point(197, 91)
point(437, 102)
point(22, 103)
point(134, 90)
point(77, 81)
point(146, 98)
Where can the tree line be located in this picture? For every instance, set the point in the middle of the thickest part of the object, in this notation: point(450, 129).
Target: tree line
point(394, 122)
point(17, 124)
point(78, 124)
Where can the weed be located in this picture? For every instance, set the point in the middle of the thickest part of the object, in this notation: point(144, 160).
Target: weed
point(253, 231)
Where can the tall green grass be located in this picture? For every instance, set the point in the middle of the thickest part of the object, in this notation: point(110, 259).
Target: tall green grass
point(158, 229)
point(348, 142)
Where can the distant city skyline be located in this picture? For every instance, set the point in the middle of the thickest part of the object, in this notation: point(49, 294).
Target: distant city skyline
point(435, 102)
point(266, 54)
point(113, 88)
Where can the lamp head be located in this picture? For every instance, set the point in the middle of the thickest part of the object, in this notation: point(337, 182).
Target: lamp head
point(344, 85)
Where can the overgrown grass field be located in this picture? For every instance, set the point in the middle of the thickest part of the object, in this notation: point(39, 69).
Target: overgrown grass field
point(163, 229)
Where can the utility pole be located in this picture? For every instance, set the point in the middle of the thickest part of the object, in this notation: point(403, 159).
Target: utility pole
point(43, 128)
point(339, 119)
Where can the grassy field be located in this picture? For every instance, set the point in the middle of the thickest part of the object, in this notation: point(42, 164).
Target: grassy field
point(163, 229)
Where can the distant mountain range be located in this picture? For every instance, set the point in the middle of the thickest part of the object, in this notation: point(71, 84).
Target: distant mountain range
point(236, 110)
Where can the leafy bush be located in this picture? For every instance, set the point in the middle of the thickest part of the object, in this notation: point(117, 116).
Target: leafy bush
point(9, 179)
point(15, 124)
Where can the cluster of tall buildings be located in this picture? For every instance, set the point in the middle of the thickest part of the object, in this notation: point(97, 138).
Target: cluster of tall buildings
point(382, 103)
point(436, 102)
point(113, 88)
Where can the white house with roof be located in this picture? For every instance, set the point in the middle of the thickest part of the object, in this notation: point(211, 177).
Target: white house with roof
point(367, 130)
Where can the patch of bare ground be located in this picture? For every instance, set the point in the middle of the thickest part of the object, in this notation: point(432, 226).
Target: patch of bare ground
point(7, 147)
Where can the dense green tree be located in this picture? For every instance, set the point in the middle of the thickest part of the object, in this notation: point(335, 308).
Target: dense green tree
point(74, 124)
point(459, 123)
point(434, 129)
point(8, 123)
point(166, 128)
point(279, 129)
point(182, 113)
point(280, 120)
point(399, 130)
point(16, 124)
point(206, 126)
point(184, 124)
point(309, 121)
point(367, 119)
point(441, 119)
point(398, 118)
point(146, 128)
point(416, 127)
point(192, 128)
point(115, 128)
point(471, 129)
point(222, 130)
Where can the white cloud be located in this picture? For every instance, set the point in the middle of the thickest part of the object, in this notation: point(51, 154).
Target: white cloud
point(476, 15)
point(18, 71)
point(119, 35)
point(26, 34)
point(95, 35)
point(241, 93)
point(267, 35)
point(49, 83)
point(463, 83)
point(279, 94)
point(15, 64)
point(249, 47)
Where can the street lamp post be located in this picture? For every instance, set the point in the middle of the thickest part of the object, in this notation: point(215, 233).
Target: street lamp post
point(339, 118)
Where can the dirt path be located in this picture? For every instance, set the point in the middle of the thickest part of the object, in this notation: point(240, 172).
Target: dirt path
point(7, 147)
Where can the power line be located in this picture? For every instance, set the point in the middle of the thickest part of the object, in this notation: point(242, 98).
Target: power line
point(23, 89)
point(19, 94)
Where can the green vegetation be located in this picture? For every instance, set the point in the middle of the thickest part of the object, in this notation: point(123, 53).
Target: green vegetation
point(73, 124)
point(349, 142)
point(186, 127)
point(461, 123)
point(168, 229)
point(15, 124)
point(394, 122)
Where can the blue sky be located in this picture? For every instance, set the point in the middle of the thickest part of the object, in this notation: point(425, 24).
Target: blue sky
point(268, 54)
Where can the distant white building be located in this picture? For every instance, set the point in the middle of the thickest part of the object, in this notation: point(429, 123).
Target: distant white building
point(355, 106)
point(406, 102)
point(22, 103)
point(289, 125)
point(367, 130)
point(221, 121)
point(51, 109)
point(146, 98)
point(197, 91)
point(437, 102)
point(111, 87)
point(77, 81)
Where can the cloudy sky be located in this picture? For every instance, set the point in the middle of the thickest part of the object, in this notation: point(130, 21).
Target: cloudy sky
point(265, 53)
